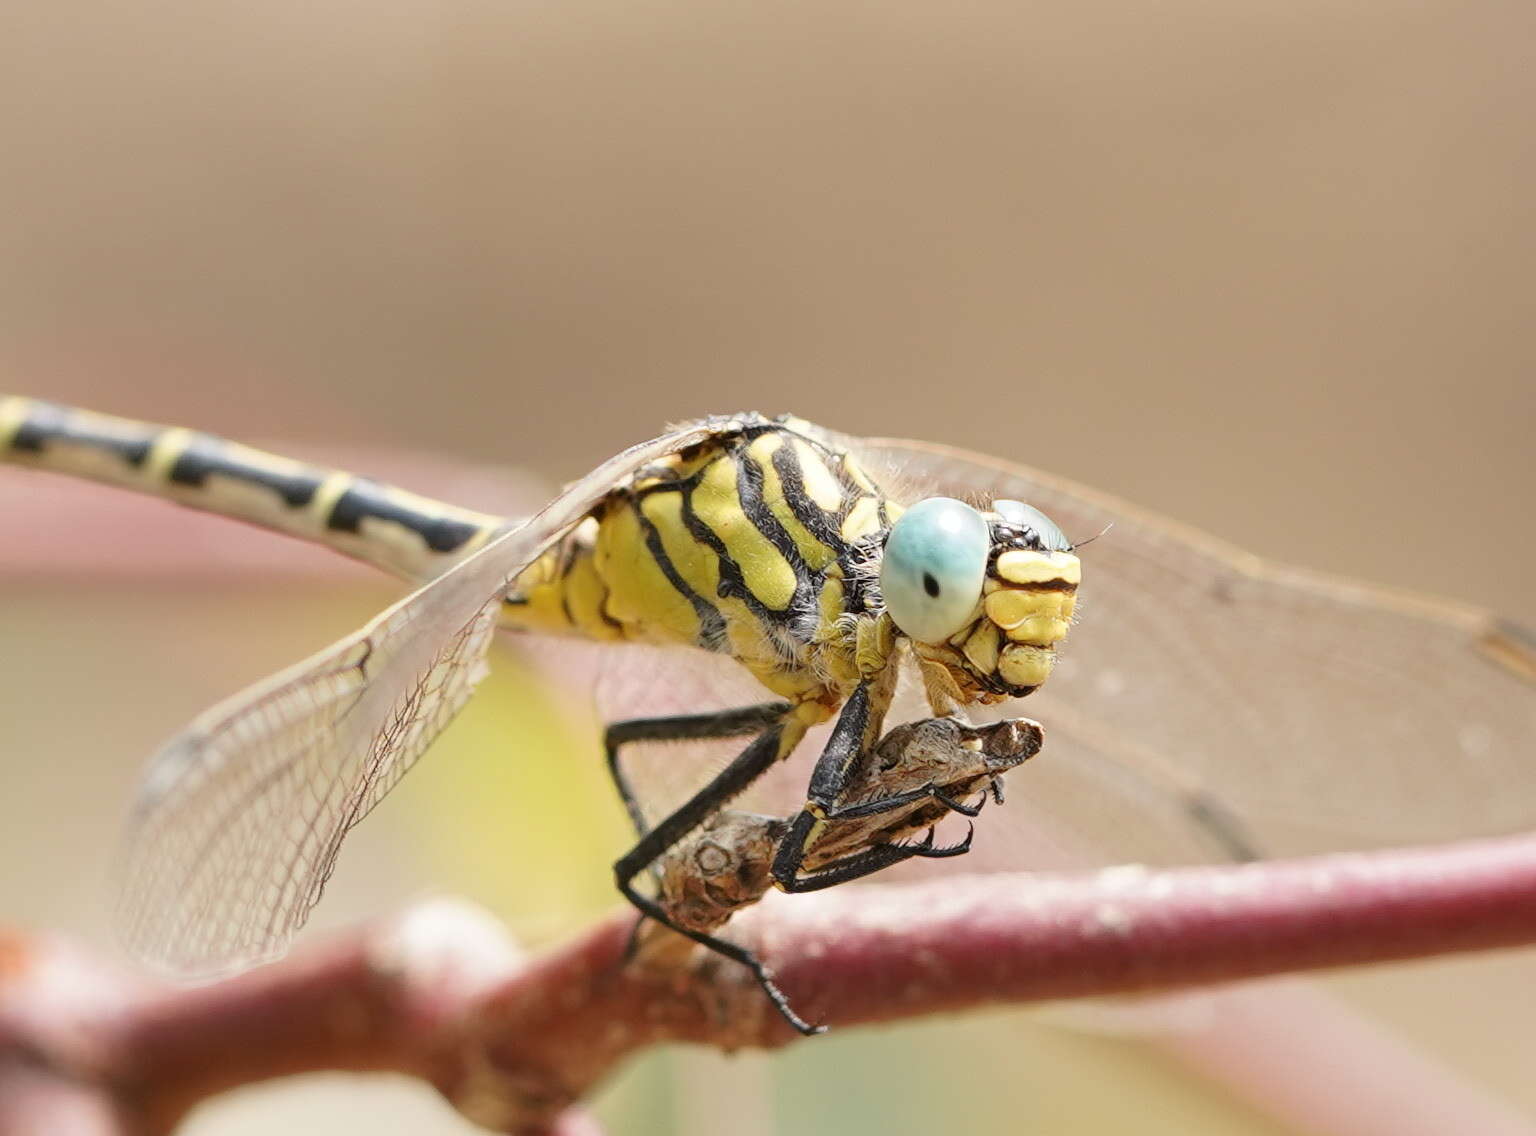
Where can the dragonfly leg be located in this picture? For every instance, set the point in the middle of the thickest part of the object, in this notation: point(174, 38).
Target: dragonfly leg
point(866, 863)
point(927, 850)
point(745, 768)
point(929, 792)
point(834, 769)
point(683, 727)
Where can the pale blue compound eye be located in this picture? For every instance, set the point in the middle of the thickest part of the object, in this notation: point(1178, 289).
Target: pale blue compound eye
point(1028, 517)
point(934, 563)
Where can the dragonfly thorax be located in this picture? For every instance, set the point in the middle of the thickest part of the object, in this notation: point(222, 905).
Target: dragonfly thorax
point(749, 545)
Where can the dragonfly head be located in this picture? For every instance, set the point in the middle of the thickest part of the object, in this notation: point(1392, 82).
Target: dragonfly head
point(984, 597)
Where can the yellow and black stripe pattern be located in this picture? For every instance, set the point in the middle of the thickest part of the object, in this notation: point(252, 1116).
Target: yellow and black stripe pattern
point(762, 543)
point(748, 545)
point(403, 533)
point(744, 545)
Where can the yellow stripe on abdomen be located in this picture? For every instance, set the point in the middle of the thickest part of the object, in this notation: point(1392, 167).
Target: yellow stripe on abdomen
point(13, 412)
point(403, 533)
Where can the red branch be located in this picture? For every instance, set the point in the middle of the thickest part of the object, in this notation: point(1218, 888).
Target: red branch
point(441, 994)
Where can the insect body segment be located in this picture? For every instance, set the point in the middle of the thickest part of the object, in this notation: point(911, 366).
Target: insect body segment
point(728, 863)
point(402, 533)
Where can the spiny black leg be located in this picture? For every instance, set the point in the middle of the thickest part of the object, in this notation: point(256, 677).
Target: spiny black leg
point(837, 762)
point(853, 867)
point(880, 805)
point(844, 748)
point(732, 951)
point(682, 727)
point(929, 792)
point(828, 780)
point(928, 851)
point(954, 805)
point(745, 768)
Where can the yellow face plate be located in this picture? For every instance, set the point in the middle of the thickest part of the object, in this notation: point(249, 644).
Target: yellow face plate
point(1029, 597)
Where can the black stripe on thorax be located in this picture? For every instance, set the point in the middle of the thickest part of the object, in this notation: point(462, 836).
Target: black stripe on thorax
point(802, 615)
point(799, 622)
point(45, 423)
point(732, 584)
point(711, 623)
point(858, 593)
point(817, 521)
point(852, 492)
point(206, 456)
point(364, 500)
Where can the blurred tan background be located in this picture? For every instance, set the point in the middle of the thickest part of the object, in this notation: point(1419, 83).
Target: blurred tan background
point(1268, 268)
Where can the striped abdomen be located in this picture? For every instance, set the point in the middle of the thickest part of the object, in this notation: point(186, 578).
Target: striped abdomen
point(404, 534)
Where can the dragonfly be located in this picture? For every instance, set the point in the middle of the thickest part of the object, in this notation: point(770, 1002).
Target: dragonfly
point(1209, 706)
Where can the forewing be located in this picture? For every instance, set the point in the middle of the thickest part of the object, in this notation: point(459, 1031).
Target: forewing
point(1305, 713)
point(240, 818)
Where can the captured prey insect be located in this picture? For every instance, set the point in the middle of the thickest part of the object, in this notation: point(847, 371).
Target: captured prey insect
point(1211, 706)
point(727, 864)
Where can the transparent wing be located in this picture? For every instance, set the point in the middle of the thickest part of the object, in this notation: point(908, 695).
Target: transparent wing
point(240, 818)
point(1313, 713)
point(616, 681)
